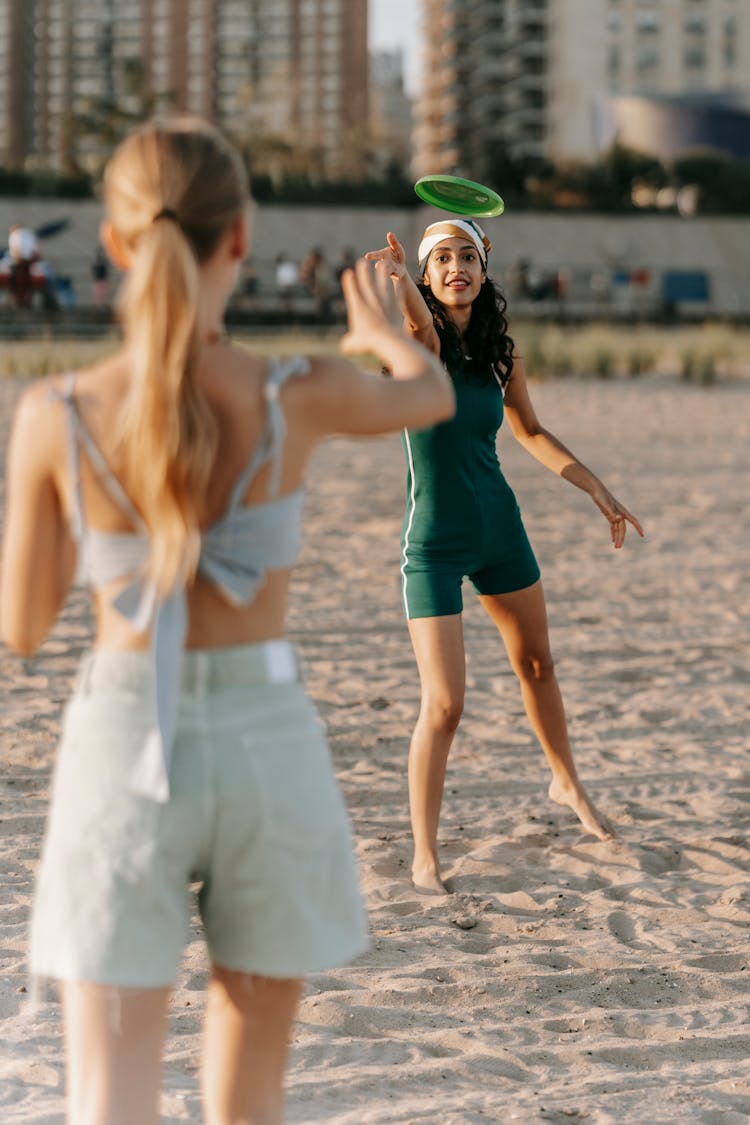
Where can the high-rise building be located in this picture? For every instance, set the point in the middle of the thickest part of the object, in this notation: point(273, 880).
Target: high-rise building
point(290, 76)
point(390, 109)
point(541, 77)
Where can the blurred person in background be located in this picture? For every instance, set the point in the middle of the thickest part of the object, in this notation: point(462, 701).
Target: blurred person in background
point(100, 276)
point(315, 277)
point(23, 252)
point(287, 280)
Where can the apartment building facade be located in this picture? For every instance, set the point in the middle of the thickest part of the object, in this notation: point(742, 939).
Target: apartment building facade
point(288, 75)
point(391, 109)
point(542, 77)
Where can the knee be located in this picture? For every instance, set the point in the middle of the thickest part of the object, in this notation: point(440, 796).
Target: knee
point(443, 713)
point(535, 667)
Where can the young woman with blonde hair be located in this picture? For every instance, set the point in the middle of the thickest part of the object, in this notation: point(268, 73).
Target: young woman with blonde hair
point(171, 476)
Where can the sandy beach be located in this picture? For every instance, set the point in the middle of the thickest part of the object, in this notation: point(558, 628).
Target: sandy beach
point(564, 979)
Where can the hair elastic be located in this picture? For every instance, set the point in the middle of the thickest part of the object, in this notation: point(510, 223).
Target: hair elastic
point(167, 213)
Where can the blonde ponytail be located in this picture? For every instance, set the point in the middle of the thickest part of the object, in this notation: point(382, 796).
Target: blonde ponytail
point(167, 431)
point(172, 189)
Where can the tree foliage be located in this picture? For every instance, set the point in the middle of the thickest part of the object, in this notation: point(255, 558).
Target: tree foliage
point(621, 181)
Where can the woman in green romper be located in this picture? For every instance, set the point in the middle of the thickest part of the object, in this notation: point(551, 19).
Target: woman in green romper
point(462, 519)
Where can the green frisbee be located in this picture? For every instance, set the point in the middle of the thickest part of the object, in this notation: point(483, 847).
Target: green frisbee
point(462, 197)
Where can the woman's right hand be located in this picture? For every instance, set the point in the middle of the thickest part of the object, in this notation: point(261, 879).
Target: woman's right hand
point(393, 255)
point(372, 308)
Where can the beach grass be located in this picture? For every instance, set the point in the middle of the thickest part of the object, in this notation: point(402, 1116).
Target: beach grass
point(696, 353)
point(45, 356)
point(701, 353)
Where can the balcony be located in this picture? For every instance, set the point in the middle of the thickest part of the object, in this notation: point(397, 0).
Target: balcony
point(532, 23)
point(532, 47)
point(501, 67)
point(528, 80)
point(525, 117)
point(495, 40)
point(489, 105)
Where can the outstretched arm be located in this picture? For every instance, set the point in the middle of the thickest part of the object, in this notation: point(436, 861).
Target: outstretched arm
point(550, 452)
point(417, 317)
point(343, 398)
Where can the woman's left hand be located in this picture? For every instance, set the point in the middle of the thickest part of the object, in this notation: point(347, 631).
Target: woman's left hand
point(617, 514)
point(393, 255)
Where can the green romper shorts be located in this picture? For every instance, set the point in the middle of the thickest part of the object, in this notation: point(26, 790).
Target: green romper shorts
point(462, 518)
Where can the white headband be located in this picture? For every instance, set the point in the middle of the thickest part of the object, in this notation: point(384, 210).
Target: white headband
point(452, 228)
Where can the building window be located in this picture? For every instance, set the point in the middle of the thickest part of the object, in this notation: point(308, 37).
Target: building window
point(648, 22)
point(695, 58)
point(729, 52)
point(647, 58)
point(695, 24)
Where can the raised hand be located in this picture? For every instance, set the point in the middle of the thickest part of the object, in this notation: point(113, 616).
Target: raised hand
point(392, 255)
point(371, 306)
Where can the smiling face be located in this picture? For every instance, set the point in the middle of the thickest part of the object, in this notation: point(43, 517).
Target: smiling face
point(455, 273)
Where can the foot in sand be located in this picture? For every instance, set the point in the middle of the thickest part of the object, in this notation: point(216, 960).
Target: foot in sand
point(426, 877)
point(575, 797)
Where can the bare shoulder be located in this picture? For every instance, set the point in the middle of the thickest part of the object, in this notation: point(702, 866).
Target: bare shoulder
point(38, 441)
point(39, 403)
point(247, 371)
point(321, 372)
point(234, 357)
point(232, 378)
point(248, 366)
point(311, 376)
point(97, 388)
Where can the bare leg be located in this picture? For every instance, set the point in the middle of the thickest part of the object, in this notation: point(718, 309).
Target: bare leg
point(248, 1023)
point(521, 618)
point(439, 648)
point(114, 1039)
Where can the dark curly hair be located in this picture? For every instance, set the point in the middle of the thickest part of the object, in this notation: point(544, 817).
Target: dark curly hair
point(486, 338)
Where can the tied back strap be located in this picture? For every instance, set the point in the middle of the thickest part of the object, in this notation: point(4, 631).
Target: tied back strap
point(150, 774)
point(167, 617)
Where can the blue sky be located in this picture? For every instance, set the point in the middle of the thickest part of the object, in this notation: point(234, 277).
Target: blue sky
point(395, 23)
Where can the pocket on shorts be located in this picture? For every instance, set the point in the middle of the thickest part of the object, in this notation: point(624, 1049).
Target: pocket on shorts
point(301, 805)
point(289, 903)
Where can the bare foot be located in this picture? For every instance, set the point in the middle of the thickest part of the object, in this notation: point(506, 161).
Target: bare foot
point(575, 798)
point(427, 878)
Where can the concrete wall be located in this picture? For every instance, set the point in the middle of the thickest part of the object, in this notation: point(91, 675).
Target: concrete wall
point(582, 244)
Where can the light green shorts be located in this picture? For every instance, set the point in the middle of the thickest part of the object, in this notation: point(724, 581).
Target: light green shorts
point(254, 816)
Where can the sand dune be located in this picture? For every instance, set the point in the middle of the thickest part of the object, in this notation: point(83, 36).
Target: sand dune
point(564, 979)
